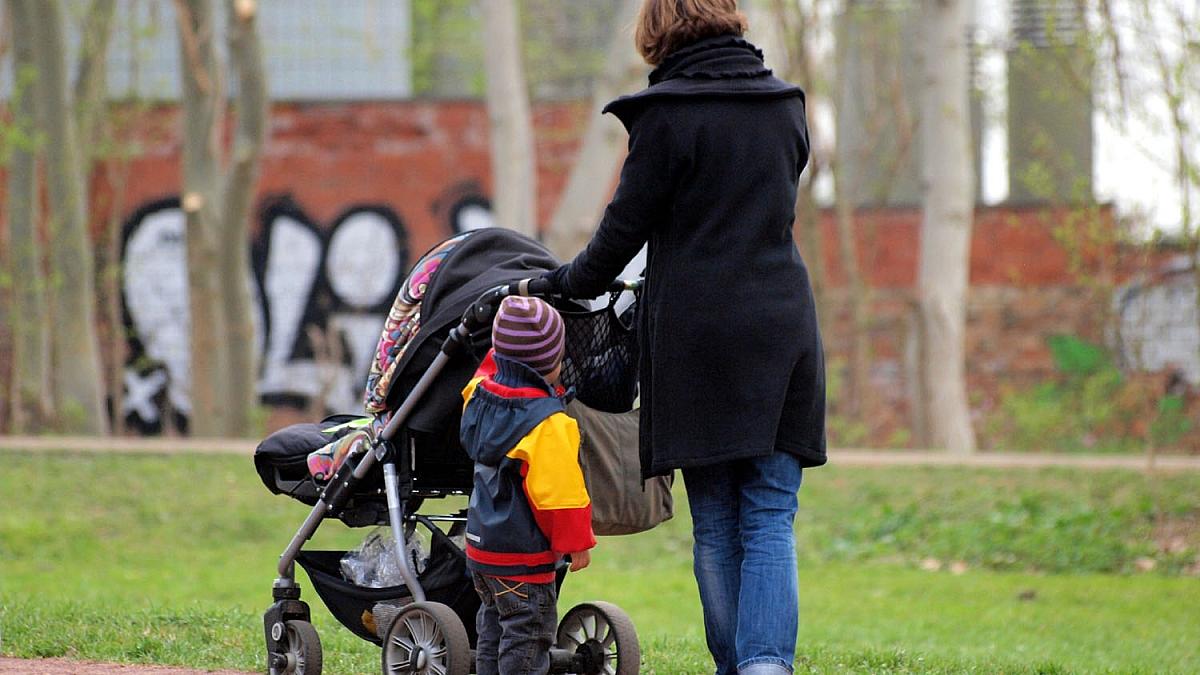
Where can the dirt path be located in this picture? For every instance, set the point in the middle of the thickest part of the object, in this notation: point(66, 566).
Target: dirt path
point(10, 666)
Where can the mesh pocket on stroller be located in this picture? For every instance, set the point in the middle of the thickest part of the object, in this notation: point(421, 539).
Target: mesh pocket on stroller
point(602, 357)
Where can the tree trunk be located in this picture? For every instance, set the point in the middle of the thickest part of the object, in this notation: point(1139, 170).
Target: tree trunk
point(798, 22)
point(514, 179)
point(203, 104)
point(94, 128)
point(246, 58)
point(78, 378)
point(946, 225)
point(602, 148)
point(846, 190)
point(857, 300)
point(30, 396)
point(91, 79)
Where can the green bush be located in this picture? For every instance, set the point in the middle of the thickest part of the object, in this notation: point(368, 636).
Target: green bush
point(1091, 406)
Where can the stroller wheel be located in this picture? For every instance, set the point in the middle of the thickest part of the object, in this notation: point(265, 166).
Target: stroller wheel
point(424, 639)
point(303, 655)
point(601, 639)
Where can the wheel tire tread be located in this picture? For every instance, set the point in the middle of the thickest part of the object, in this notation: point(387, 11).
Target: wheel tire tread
point(629, 655)
point(454, 636)
point(310, 644)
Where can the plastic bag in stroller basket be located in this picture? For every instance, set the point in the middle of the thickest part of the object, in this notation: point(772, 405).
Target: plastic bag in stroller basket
point(362, 609)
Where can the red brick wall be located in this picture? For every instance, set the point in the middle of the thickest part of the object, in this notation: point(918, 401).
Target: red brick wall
point(408, 156)
point(416, 158)
point(1010, 246)
point(1034, 273)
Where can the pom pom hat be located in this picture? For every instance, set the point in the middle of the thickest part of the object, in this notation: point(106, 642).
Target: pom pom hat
point(530, 331)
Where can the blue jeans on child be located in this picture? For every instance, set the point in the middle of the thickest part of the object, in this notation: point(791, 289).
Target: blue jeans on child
point(745, 561)
point(516, 625)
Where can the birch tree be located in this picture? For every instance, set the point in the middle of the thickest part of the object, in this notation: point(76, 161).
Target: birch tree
point(799, 22)
point(846, 198)
point(203, 102)
point(30, 391)
point(216, 201)
point(77, 375)
point(514, 175)
point(602, 147)
point(91, 79)
point(241, 179)
point(948, 196)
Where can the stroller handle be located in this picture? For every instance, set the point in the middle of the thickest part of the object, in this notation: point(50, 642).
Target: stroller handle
point(481, 311)
point(528, 287)
point(540, 286)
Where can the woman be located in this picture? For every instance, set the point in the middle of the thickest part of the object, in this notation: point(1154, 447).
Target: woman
point(732, 374)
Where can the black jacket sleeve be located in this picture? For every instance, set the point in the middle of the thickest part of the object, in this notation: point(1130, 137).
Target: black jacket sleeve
point(643, 200)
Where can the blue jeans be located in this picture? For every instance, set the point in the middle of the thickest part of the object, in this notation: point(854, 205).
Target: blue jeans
point(516, 625)
point(745, 561)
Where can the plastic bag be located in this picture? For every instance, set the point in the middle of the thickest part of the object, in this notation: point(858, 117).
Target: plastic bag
point(373, 563)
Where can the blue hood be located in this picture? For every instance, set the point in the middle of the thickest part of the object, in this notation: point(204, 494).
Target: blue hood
point(492, 425)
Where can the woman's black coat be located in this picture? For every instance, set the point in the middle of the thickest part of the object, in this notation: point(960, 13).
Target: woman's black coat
point(731, 364)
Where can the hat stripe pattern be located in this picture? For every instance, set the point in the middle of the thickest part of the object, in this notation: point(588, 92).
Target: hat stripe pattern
point(530, 331)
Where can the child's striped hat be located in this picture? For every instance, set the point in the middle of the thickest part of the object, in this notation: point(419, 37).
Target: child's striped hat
point(530, 331)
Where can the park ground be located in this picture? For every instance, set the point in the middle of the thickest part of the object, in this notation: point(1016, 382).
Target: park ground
point(149, 559)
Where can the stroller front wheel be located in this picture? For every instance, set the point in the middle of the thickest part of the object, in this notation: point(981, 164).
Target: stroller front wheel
point(427, 638)
point(600, 638)
point(303, 655)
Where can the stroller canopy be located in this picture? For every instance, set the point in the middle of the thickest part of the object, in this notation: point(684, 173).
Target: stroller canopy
point(432, 300)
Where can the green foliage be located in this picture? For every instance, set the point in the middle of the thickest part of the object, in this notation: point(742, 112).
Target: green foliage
point(446, 50)
point(1172, 422)
point(71, 414)
point(847, 431)
point(565, 44)
point(1076, 357)
point(20, 133)
point(1090, 407)
point(563, 41)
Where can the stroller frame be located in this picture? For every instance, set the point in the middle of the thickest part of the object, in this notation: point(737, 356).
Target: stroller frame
point(287, 621)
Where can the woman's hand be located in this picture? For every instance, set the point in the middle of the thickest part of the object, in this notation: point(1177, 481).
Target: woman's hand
point(580, 560)
point(550, 282)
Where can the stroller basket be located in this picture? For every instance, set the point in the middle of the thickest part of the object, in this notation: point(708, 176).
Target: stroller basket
point(601, 362)
point(362, 610)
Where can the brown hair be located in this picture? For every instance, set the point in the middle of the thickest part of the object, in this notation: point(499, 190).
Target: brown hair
point(666, 25)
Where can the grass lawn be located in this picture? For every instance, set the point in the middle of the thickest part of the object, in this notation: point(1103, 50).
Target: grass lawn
point(170, 560)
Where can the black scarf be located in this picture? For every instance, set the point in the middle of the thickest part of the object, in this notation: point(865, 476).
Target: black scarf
point(725, 66)
point(715, 58)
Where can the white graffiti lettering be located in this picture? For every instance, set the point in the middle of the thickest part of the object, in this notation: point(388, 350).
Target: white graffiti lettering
point(321, 295)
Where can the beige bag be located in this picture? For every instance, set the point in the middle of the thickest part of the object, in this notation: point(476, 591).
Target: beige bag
point(608, 453)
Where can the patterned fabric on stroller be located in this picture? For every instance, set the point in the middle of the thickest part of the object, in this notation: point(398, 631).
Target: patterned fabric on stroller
point(409, 452)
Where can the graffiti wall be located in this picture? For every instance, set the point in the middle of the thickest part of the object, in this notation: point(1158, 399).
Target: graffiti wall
point(321, 293)
point(351, 193)
point(1158, 329)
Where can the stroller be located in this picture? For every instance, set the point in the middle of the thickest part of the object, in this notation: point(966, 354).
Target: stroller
point(408, 452)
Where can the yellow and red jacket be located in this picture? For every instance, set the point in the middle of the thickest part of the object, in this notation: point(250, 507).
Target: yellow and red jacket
point(529, 505)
